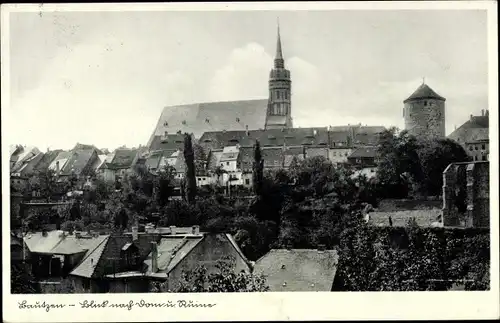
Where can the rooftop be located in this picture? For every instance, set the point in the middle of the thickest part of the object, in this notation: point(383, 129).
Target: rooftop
point(300, 270)
point(424, 92)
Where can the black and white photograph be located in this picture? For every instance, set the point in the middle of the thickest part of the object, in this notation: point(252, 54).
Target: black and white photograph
point(169, 151)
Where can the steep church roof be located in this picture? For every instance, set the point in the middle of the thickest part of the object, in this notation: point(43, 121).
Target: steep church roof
point(213, 116)
point(424, 92)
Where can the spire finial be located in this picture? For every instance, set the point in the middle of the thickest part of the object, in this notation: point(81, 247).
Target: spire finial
point(423, 80)
point(279, 53)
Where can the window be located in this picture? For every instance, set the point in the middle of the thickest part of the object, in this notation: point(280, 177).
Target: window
point(483, 146)
point(476, 148)
point(484, 157)
point(247, 181)
point(470, 148)
point(425, 103)
point(227, 163)
point(334, 153)
point(278, 95)
point(222, 164)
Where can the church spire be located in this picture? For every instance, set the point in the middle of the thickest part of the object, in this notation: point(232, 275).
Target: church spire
point(278, 60)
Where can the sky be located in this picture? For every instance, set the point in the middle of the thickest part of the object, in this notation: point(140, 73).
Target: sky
point(103, 78)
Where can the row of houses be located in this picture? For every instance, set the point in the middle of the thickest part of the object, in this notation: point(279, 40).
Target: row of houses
point(129, 262)
point(80, 163)
point(230, 150)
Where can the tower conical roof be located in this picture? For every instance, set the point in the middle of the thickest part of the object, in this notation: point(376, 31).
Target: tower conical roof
point(279, 52)
point(424, 92)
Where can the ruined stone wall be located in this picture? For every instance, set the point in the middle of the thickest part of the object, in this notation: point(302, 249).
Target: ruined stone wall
point(425, 117)
point(466, 201)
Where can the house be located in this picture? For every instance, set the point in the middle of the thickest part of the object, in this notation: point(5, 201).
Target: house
point(167, 141)
point(23, 169)
point(473, 135)
point(121, 162)
point(80, 163)
point(298, 270)
point(43, 165)
point(59, 162)
point(177, 253)
point(362, 158)
point(21, 153)
point(117, 253)
point(56, 253)
point(343, 140)
point(129, 262)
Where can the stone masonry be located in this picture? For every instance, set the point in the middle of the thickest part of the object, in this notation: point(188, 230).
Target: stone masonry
point(466, 200)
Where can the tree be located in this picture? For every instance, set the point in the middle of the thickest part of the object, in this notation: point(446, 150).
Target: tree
point(399, 164)
point(219, 171)
point(22, 281)
point(258, 169)
point(222, 279)
point(164, 185)
point(190, 169)
point(435, 156)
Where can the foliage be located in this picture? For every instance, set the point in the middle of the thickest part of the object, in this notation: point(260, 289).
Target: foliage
point(22, 281)
point(257, 170)
point(190, 169)
point(164, 185)
point(222, 279)
point(409, 166)
point(372, 259)
point(435, 156)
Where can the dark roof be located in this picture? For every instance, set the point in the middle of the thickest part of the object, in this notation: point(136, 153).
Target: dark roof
point(298, 270)
point(79, 146)
point(106, 258)
point(172, 141)
point(273, 157)
point(123, 158)
point(202, 117)
point(46, 160)
point(424, 92)
point(266, 138)
point(364, 152)
point(78, 161)
point(153, 160)
point(474, 129)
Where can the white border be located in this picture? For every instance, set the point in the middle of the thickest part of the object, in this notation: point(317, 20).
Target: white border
point(267, 306)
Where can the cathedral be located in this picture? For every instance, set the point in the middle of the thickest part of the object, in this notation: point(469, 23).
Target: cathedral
point(272, 113)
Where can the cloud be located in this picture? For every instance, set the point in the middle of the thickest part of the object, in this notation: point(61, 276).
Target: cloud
point(98, 92)
point(244, 76)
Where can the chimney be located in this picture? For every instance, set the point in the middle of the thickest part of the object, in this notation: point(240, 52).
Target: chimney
point(482, 112)
point(45, 233)
point(57, 167)
point(487, 114)
point(471, 116)
point(196, 229)
point(289, 246)
point(173, 230)
point(154, 257)
point(321, 247)
point(246, 129)
point(78, 235)
point(135, 233)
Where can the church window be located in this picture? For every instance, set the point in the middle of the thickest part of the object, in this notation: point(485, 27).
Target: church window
point(278, 94)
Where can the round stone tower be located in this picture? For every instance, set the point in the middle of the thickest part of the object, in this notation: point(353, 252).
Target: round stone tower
point(424, 113)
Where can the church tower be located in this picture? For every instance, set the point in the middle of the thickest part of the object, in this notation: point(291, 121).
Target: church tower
point(279, 108)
